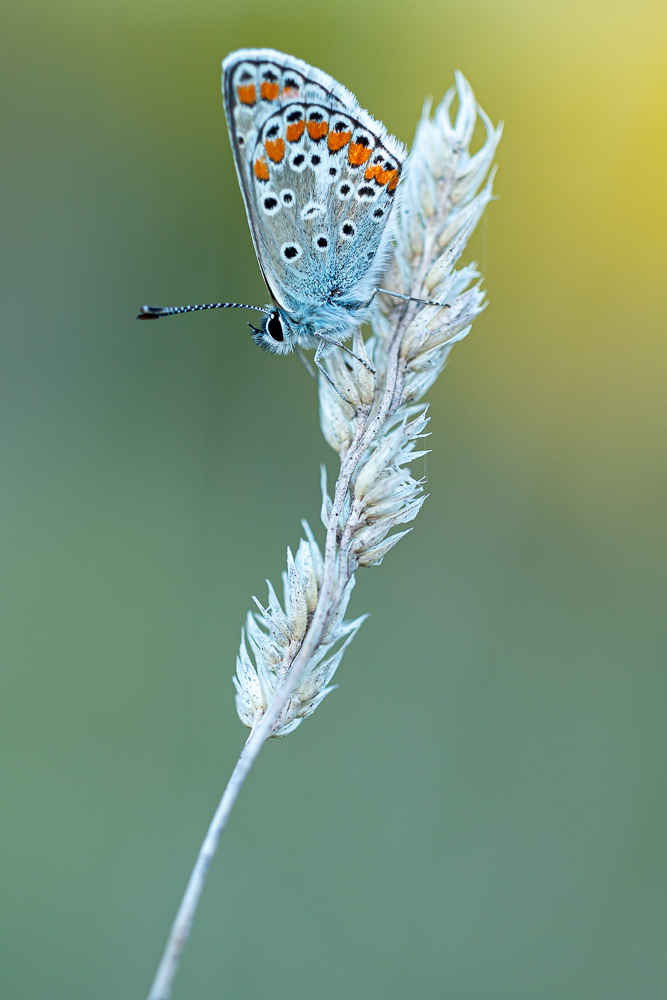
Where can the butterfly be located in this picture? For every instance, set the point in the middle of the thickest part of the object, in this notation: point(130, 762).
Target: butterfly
point(319, 177)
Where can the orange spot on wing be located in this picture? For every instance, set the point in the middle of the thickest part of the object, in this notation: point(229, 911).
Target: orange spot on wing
point(295, 131)
point(261, 169)
point(358, 154)
point(275, 149)
point(269, 91)
point(337, 140)
point(247, 95)
point(316, 130)
point(382, 176)
point(290, 92)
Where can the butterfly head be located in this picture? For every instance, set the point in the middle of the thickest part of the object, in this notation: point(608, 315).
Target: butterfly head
point(274, 334)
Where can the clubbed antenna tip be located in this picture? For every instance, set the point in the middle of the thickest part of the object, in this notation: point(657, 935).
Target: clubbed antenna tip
point(151, 312)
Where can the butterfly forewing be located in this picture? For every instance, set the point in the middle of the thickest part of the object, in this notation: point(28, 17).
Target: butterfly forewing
point(318, 175)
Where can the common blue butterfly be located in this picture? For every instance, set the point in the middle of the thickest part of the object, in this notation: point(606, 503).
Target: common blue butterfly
point(319, 177)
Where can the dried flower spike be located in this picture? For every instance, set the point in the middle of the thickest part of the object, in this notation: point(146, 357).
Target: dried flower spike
point(374, 422)
point(275, 636)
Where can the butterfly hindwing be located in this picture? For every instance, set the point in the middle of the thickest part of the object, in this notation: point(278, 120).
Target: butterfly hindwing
point(318, 175)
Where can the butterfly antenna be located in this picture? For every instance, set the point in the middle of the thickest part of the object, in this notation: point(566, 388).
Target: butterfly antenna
point(157, 312)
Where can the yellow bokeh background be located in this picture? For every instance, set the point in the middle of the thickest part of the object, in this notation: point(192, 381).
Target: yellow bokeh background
point(478, 812)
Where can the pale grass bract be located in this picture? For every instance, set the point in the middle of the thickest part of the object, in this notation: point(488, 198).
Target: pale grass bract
point(289, 653)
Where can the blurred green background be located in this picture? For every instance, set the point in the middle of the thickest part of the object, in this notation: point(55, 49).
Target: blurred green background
point(479, 812)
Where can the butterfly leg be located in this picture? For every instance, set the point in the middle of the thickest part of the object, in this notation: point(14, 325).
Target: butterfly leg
point(411, 298)
point(336, 343)
point(306, 363)
point(319, 353)
point(406, 298)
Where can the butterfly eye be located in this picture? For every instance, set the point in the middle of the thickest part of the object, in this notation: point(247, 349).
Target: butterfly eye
point(274, 327)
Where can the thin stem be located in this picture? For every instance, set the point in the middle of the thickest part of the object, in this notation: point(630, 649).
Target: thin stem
point(180, 929)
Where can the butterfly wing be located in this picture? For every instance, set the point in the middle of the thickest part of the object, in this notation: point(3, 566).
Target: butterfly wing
point(317, 173)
